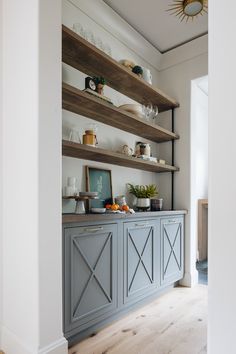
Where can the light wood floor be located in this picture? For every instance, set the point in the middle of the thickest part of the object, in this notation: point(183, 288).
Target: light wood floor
point(175, 323)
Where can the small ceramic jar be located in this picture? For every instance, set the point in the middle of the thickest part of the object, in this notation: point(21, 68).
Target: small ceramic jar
point(89, 138)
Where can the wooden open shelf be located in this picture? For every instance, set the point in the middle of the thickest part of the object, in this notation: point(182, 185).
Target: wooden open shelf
point(83, 103)
point(85, 152)
point(82, 55)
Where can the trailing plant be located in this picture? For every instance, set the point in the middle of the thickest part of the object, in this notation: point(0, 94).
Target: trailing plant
point(141, 191)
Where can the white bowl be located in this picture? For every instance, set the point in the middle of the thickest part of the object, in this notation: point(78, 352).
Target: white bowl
point(98, 210)
point(134, 108)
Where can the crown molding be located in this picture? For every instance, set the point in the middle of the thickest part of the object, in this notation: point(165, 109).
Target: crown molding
point(110, 21)
point(185, 52)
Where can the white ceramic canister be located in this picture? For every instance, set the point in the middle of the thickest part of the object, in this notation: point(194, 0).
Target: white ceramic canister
point(147, 150)
point(147, 76)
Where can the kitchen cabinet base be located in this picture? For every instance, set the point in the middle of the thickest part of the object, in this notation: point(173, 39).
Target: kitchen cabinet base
point(112, 267)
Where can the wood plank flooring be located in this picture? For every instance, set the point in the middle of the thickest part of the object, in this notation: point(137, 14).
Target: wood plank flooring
point(175, 323)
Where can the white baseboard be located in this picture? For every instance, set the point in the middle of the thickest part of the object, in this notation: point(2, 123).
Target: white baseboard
point(190, 279)
point(11, 344)
point(58, 347)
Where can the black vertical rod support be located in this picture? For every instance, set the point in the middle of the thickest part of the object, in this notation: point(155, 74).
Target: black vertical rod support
point(173, 158)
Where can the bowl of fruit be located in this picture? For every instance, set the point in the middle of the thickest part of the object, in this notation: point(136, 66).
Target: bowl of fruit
point(116, 208)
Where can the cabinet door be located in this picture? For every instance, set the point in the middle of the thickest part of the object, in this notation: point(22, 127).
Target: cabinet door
point(139, 259)
point(90, 274)
point(172, 237)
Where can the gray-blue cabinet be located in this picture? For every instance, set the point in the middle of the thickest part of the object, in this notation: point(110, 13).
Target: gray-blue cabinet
point(111, 265)
point(90, 274)
point(141, 254)
point(172, 248)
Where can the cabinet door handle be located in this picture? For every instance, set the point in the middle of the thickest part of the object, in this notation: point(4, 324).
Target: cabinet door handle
point(137, 225)
point(93, 229)
point(173, 220)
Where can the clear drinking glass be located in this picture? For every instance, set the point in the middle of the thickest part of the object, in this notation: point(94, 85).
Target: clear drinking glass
point(89, 36)
point(107, 49)
point(74, 136)
point(98, 43)
point(79, 29)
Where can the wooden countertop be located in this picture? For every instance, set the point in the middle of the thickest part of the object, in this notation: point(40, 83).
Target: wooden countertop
point(70, 218)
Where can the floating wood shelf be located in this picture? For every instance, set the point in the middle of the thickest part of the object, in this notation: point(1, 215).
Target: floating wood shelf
point(83, 103)
point(85, 152)
point(80, 54)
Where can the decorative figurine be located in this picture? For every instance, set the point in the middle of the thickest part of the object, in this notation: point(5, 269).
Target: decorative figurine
point(137, 70)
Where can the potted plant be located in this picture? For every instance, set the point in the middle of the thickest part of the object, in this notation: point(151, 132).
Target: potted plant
point(100, 82)
point(143, 194)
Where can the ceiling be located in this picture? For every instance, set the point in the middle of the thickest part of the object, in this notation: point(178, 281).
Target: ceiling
point(152, 21)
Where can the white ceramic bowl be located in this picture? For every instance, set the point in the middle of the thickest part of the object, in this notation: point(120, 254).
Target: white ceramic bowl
point(98, 210)
point(135, 109)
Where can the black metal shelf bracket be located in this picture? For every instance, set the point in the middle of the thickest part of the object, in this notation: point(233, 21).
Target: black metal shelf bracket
point(173, 158)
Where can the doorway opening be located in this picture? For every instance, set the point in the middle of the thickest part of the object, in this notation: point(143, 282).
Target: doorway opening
point(199, 176)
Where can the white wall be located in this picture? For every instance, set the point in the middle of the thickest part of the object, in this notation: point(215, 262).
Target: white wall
point(222, 177)
point(199, 153)
point(32, 257)
point(108, 137)
point(175, 78)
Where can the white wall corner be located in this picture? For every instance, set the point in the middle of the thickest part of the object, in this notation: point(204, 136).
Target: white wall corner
point(107, 18)
point(186, 52)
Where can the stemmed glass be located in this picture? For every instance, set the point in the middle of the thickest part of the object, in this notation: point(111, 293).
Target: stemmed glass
point(155, 112)
point(150, 112)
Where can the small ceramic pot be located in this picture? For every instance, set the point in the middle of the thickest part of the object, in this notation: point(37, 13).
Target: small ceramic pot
point(156, 204)
point(100, 89)
point(143, 203)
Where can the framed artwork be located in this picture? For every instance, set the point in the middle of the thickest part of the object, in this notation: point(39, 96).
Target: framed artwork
point(99, 180)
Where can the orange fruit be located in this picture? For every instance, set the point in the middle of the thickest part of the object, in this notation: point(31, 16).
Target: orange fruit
point(114, 207)
point(125, 207)
point(108, 206)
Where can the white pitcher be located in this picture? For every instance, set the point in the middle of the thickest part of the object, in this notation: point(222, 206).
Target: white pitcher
point(147, 76)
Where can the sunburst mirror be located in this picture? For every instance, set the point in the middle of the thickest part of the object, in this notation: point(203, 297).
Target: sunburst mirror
point(186, 9)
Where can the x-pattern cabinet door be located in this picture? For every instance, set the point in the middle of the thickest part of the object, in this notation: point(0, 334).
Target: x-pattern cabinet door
point(172, 241)
point(140, 250)
point(90, 274)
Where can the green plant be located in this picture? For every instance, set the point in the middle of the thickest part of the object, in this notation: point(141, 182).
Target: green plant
point(99, 80)
point(147, 191)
